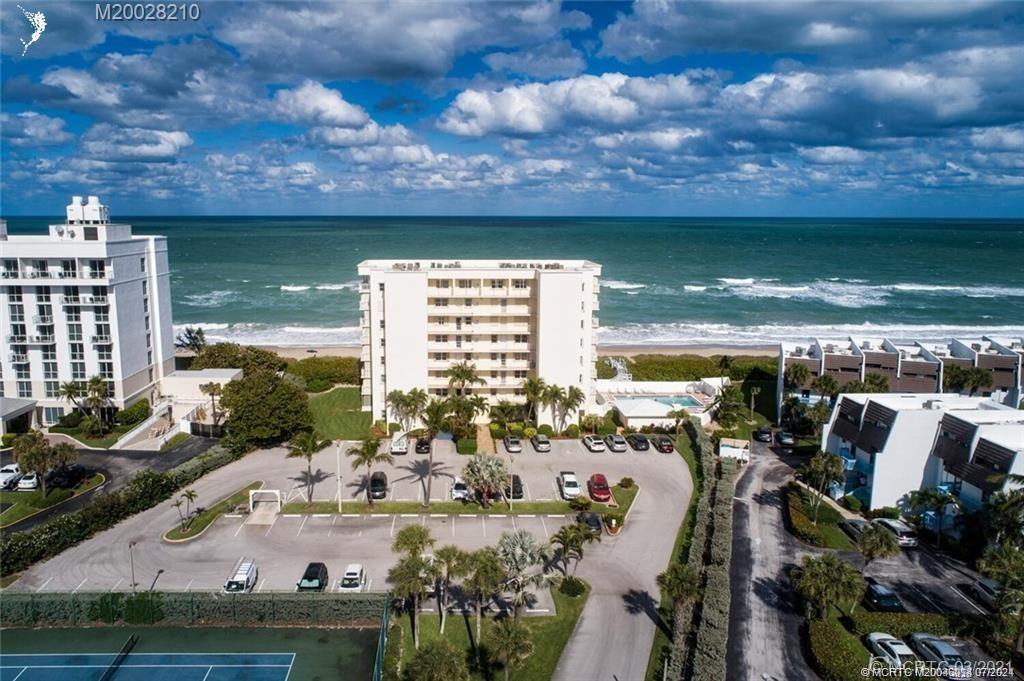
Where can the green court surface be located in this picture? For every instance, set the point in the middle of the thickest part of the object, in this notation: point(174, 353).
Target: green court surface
point(182, 654)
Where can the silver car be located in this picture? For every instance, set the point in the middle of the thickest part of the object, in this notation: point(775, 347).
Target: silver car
point(593, 443)
point(615, 443)
point(933, 649)
point(513, 445)
point(541, 443)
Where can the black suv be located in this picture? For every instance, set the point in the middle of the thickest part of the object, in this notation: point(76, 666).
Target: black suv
point(591, 520)
point(314, 578)
point(881, 598)
point(638, 442)
point(423, 445)
point(379, 485)
point(515, 491)
point(663, 444)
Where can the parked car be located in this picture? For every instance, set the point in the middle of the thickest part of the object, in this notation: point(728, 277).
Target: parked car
point(638, 442)
point(853, 527)
point(763, 434)
point(28, 482)
point(890, 650)
point(933, 649)
point(313, 579)
point(515, 490)
point(881, 598)
point(593, 443)
point(615, 443)
point(513, 445)
point(987, 592)
point(354, 578)
point(400, 444)
point(66, 477)
point(541, 443)
point(9, 476)
point(905, 534)
point(423, 445)
point(243, 578)
point(569, 485)
point(663, 444)
point(597, 485)
point(379, 485)
point(460, 490)
point(785, 438)
point(591, 520)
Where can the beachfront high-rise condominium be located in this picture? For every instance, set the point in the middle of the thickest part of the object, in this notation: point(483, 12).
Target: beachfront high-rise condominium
point(512, 319)
point(87, 299)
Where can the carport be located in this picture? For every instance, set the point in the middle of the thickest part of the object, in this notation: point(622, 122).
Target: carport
point(13, 408)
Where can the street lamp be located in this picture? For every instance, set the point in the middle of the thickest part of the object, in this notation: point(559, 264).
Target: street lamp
point(338, 475)
point(131, 562)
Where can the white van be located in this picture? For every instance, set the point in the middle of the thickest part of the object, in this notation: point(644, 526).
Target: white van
point(400, 444)
point(354, 578)
point(243, 579)
point(905, 534)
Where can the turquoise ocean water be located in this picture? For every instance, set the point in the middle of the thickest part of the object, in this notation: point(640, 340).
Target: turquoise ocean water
point(292, 281)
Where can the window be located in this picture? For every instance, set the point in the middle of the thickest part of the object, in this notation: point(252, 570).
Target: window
point(14, 294)
point(104, 353)
point(91, 234)
point(17, 313)
point(520, 338)
point(43, 293)
point(494, 338)
point(382, 323)
point(52, 388)
point(49, 353)
point(145, 305)
point(151, 374)
point(142, 264)
point(68, 269)
point(149, 357)
point(521, 374)
point(22, 371)
point(74, 314)
point(465, 283)
point(519, 283)
point(78, 371)
point(145, 287)
point(497, 283)
point(149, 340)
point(24, 389)
point(107, 369)
point(102, 314)
point(77, 351)
point(380, 287)
point(441, 302)
point(50, 371)
point(51, 415)
point(382, 342)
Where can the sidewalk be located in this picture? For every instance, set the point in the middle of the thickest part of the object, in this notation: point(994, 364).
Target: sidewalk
point(842, 510)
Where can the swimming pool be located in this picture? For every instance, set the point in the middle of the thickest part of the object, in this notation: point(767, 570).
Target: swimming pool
point(673, 401)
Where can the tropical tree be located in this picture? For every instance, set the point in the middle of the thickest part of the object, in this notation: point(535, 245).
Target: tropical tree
point(573, 400)
point(462, 375)
point(796, 375)
point(571, 541)
point(214, 390)
point(412, 540)
point(728, 406)
point(263, 409)
point(978, 379)
point(188, 497)
point(724, 364)
point(823, 469)
point(73, 392)
point(682, 585)
point(436, 418)
point(303, 446)
point(503, 412)
point(826, 386)
point(534, 389)
point(1004, 516)
point(523, 558)
point(485, 576)
point(553, 396)
point(416, 403)
point(936, 500)
point(97, 397)
point(1005, 565)
point(818, 415)
point(437, 660)
point(34, 455)
point(191, 338)
point(368, 453)
point(510, 643)
point(876, 542)
point(876, 383)
point(590, 422)
point(486, 475)
point(398, 401)
point(410, 580)
point(828, 580)
point(679, 416)
point(451, 562)
point(177, 504)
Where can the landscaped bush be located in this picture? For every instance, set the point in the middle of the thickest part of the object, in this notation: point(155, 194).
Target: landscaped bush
point(797, 521)
point(133, 415)
point(8, 439)
point(606, 427)
point(466, 445)
point(235, 356)
point(890, 512)
point(836, 654)
point(580, 503)
point(549, 431)
point(692, 367)
point(529, 432)
point(515, 429)
point(497, 432)
point(572, 587)
point(391, 670)
point(394, 428)
point(626, 483)
point(72, 419)
point(605, 368)
point(614, 519)
point(572, 431)
point(318, 385)
point(853, 503)
point(327, 369)
point(902, 624)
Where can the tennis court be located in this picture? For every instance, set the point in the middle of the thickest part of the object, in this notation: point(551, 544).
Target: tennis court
point(147, 667)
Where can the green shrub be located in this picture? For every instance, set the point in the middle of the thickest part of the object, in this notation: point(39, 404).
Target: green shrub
point(72, 419)
point(333, 370)
point(466, 445)
point(890, 512)
point(902, 624)
point(529, 432)
point(607, 427)
point(391, 668)
point(853, 503)
point(394, 428)
point(515, 429)
point(133, 415)
point(497, 432)
point(626, 483)
point(572, 431)
point(798, 522)
point(549, 431)
point(605, 368)
point(614, 519)
point(580, 503)
point(572, 587)
point(318, 385)
point(836, 654)
point(692, 367)
point(8, 439)
point(235, 356)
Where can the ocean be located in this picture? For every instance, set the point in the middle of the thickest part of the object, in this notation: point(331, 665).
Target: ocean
point(292, 280)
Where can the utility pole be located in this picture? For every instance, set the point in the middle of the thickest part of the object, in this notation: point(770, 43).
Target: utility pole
point(131, 563)
point(338, 452)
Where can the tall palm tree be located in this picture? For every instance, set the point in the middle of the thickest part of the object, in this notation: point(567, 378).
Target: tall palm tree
point(462, 375)
point(412, 540)
point(451, 562)
point(213, 389)
point(533, 389)
point(876, 542)
point(189, 496)
point(399, 402)
point(191, 338)
point(682, 585)
point(33, 454)
point(503, 412)
point(828, 580)
point(553, 397)
point(826, 386)
point(728, 405)
point(73, 392)
point(571, 541)
point(724, 364)
point(304, 445)
point(437, 660)
point(934, 499)
point(368, 453)
point(510, 642)
point(796, 375)
point(523, 558)
point(435, 418)
point(484, 578)
point(410, 579)
point(416, 402)
point(573, 400)
point(823, 468)
point(97, 397)
point(485, 474)
point(679, 416)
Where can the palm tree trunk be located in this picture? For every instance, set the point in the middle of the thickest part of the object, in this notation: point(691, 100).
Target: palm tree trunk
point(309, 481)
point(416, 622)
point(1020, 631)
point(506, 671)
point(369, 497)
point(479, 617)
point(430, 475)
point(443, 604)
point(821, 493)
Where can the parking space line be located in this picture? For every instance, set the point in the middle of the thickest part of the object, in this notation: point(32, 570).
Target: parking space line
point(555, 515)
point(321, 515)
point(526, 486)
point(301, 525)
point(353, 515)
point(259, 589)
point(291, 515)
point(925, 596)
point(334, 519)
point(453, 527)
point(969, 601)
point(483, 524)
point(438, 515)
point(408, 515)
point(117, 584)
point(240, 526)
point(545, 527)
point(80, 585)
point(393, 519)
point(267, 533)
point(189, 585)
point(44, 585)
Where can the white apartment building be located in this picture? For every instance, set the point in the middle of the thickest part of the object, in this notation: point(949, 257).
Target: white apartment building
point(87, 299)
point(891, 445)
point(513, 319)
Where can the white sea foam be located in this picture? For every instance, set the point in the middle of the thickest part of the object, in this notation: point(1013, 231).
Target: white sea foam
point(620, 285)
point(347, 286)
point(284, 335)
point(735, 282)
point(694, 289)
point(210, 298)
point(291, 288)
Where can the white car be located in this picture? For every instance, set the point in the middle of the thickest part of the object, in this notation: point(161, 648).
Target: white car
point(905, 534)
point(10, 475)
point(569, 485)
point(460, 490)
point(28, 483)
point(400, 444)
point(890, 650)
point(594, 443)
point(354, 578)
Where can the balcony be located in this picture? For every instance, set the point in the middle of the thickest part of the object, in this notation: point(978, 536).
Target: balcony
point(18, 358)
point(39, 274)
point(69, 274)
point(84, 300)
point(40, 339)
point(96, 274)
point(101, 340)
point(10, 274)
point(364, 303)
point(17, 339)
point(44, 320)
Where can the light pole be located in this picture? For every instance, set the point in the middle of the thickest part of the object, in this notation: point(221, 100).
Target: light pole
point(338, 453)
point(131, 562)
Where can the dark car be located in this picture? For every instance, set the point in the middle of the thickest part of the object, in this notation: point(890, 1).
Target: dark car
point(663, 444)
point(638, 442)
point(515, 491)
point(423, 445)
point(591, 520)
point(314, 578)
point(881, 598)
point(763, 434)
point(379, 485)
point(66, 477)
point(853, 527)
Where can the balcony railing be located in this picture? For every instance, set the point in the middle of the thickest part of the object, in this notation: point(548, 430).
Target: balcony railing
point(96, 274)
point(69, 274)
point(45, 320)
point(40, 274)
point(10, 274)
point(101, 340)
point(84, 300)
point(18, 358)
point(40, 339)
point(17, 339)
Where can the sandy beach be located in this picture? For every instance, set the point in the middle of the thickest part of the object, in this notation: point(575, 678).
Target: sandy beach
point(602, 350)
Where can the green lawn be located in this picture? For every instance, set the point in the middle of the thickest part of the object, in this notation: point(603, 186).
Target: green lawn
point(550, 634)
point(30, 503)
point(104, 442)
point(208, 515)
point(337, 415)
point(175, 440)
point(828, 522)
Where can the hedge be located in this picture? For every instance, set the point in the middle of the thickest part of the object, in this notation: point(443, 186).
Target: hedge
point(902, 624)
point(135, 414)
point(72, 419)
point(497, 432)
point(330, 370)
point(607, 427)
point(853, 503)
point(545, 429)
point(391, 669)
point(572, 431)
point(692, 368)
point(8, 439)
point(836, 654)
point(466, 445)
point(515, 429)
point(797, 521)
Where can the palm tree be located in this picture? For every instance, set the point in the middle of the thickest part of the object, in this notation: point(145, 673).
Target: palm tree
point(190, 497)
point(553, 397)
point(435, 418)
point(934, 499)
point(461, 375)
point(1005, 565)
point(304, 445)
point(1004, 513)
point(510, 642)
point(367, 453)
point(416, 402)
point(97, 397)
point(682, 585)
point(679, 416)
point(818, 415)
point(503, 412)
point(534, 389)
point(213, 389)
point(824, 468)
point(409, 580)
point(485, 474)
point(828, 580)
point(191, 338)
point(724, 364)
point(876, 383)
point(484, 578)
point(399, 403)
point(523, 558)
point(876, 542)
point(73, 392)
point(451, 562)
point(573, 400)
point(728, 405)
point(571, 541)
point(796, 375)
point(437, 660)
point(412, 540)
point(177, 506)
point(33, 454)
point(826, 386)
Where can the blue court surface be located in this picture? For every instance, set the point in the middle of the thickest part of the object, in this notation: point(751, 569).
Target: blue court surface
point(148, 667)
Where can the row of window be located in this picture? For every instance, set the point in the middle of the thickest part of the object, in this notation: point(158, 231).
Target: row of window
point(475, 283)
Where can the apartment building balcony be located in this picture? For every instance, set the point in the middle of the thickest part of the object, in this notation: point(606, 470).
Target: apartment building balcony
point(102, 340)
point(10, 274)
point(97, 274)
point(364, 338)
point(364, 303)
point(41, 339)
point(84, 300)
point(17, 339)
point(483, 328)
point(44, 320)
point(364, 356)
point(18, 358)
point(595, 322)
point(39, 274)
point(480, 310)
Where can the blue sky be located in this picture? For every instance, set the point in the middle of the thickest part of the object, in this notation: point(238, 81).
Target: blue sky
point(908, 109)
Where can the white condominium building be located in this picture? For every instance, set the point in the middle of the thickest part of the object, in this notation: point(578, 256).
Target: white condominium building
point(88, 299)
point(512, 319)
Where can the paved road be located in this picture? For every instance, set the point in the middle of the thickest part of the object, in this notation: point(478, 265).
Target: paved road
point(764, 626)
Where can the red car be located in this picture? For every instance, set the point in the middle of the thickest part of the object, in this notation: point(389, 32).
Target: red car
point(598, 487)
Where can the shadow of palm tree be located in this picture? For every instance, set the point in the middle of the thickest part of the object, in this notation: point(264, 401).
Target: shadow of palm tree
point(420, 469)
point(642, 603)
point(307, 481)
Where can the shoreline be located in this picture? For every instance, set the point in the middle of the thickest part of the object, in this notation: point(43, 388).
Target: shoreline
point(300, 352)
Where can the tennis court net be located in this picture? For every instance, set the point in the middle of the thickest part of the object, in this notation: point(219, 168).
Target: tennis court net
point(116, 662)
